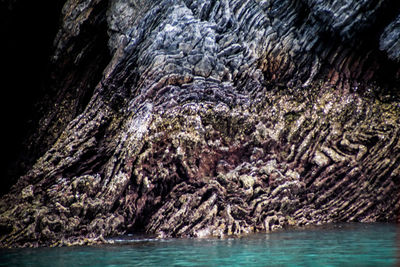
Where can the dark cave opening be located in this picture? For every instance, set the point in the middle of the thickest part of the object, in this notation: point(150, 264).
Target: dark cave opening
point(28, 29)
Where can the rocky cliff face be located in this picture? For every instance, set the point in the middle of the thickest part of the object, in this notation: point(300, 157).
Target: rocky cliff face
point(212, 118)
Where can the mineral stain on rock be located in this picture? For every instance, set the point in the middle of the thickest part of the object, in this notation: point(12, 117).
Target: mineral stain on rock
point(212, 118)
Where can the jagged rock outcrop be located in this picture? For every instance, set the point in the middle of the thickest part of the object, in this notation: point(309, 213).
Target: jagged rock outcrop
point(212, 118)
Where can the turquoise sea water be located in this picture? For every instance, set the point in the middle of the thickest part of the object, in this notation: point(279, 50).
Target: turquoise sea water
point(334, 245)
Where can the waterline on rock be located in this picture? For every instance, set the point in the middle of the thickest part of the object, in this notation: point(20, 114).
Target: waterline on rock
point(350, 244)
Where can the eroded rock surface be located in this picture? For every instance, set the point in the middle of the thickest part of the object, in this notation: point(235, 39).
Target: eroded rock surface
point(213, 118)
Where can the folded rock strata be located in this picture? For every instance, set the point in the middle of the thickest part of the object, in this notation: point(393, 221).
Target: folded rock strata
point(212, 118)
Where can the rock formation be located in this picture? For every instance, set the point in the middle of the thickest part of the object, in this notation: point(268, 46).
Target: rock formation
point(211, 118)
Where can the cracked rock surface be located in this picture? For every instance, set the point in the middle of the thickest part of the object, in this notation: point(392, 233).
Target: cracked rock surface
point(212, 118)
